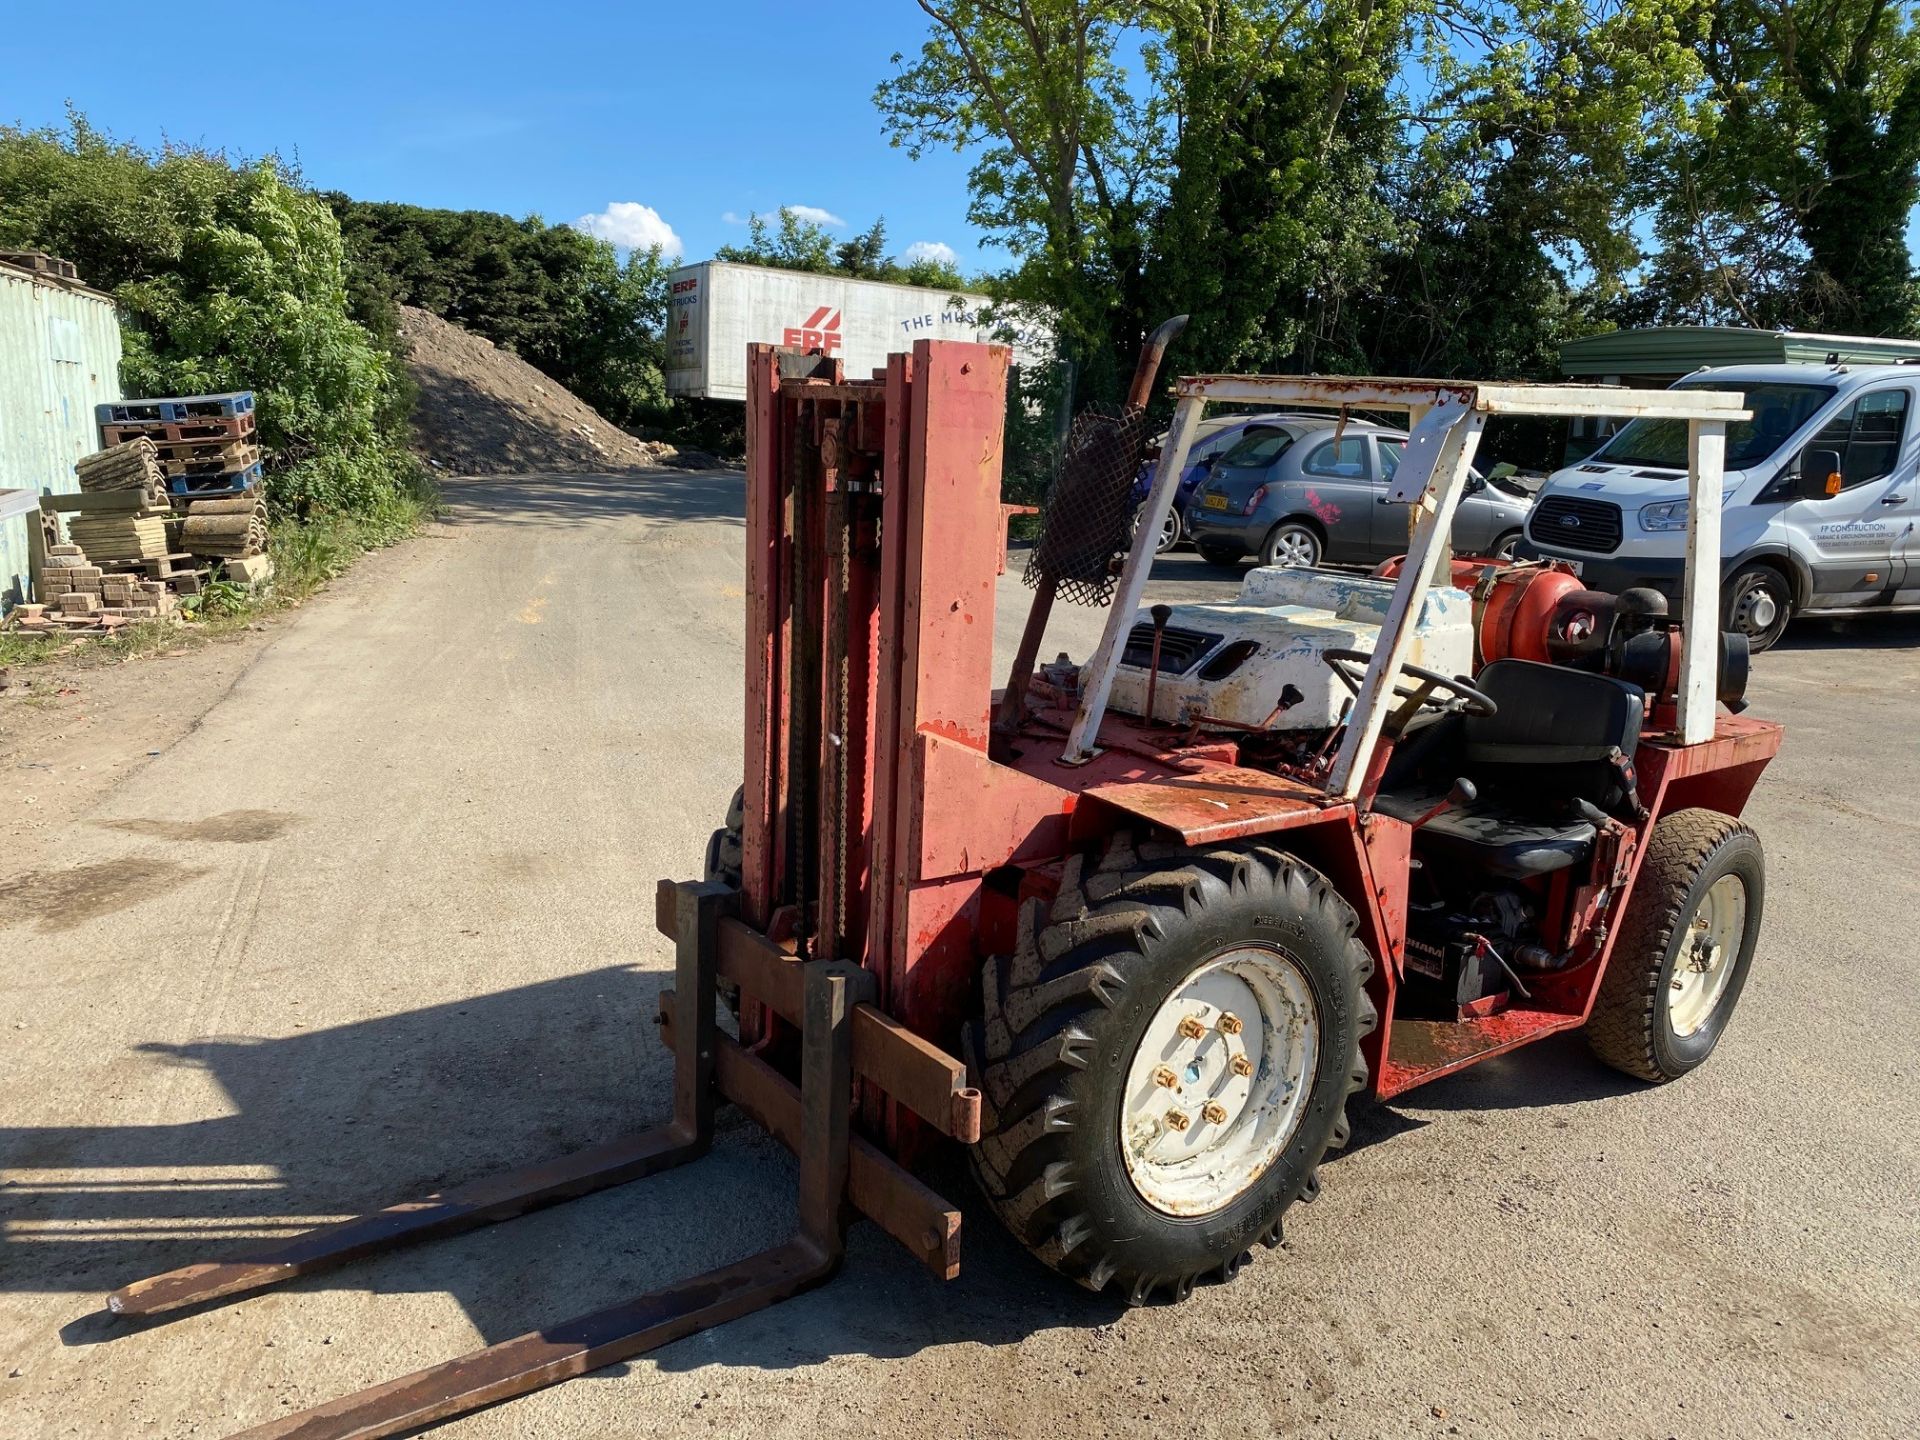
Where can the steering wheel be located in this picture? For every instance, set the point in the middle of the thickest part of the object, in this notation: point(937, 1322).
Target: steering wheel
point(1351, 667)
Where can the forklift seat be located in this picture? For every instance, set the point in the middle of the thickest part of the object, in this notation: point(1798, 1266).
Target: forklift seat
point(1552, 742)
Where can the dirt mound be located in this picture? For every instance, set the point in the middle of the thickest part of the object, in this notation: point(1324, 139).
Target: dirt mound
point(483, 411)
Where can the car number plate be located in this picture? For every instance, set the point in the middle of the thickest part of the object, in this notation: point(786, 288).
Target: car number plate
point(1215, 502)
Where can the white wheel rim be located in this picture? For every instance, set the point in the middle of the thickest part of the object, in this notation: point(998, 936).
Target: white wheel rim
point(1170, 530)
point(1294, 548)
point(1241, 1071)
point(1705, 962)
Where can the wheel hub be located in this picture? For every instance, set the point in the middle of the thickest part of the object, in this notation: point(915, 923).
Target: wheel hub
point(1756, 610)
point(1705, 962)
point(1219, 1081)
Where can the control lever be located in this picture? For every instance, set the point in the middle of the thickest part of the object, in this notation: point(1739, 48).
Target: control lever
point(1161, 614)
point(1591, 813)
point(1463, 793)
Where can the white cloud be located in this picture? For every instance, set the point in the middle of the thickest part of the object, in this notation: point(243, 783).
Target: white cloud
point(730, 217)
point(632, 226)
point(938, 250)
point(813, 214)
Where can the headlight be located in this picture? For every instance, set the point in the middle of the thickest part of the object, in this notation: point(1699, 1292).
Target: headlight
point(1669, 515)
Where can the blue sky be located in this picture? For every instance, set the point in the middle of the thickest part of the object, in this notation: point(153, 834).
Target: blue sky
point(560, 109)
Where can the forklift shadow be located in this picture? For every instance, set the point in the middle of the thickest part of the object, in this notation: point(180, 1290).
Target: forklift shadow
point(334, 1122)
point(1559, 1070)
point(322, 1124)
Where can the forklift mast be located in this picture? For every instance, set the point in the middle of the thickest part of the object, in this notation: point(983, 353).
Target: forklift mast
point(874, 535)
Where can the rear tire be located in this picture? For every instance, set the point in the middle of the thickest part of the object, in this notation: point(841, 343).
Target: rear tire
point(1759, 605)
point(724, 848)
point(1685, 947)
point(1077, 1156)
point(1214, 555)
point(1292, 543)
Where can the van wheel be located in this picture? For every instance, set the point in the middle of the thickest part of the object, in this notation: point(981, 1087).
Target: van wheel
point(1759, 604)
point(1293, 543)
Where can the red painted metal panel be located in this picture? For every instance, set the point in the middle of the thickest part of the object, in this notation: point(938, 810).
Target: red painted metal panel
point(1221, 803)
point(940, 987)
point(884, 889)
point(954, 535)
point(1424, 1050)
point(987, 814)
point(761, 768)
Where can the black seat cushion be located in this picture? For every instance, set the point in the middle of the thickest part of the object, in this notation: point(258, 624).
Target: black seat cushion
point(1555, 734)
point(1491, 835)
point(1551, 743)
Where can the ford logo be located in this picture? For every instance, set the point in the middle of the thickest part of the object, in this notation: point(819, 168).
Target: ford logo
point(1571, 522)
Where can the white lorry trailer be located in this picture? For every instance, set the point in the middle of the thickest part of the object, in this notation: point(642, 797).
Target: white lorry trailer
point(719, 308)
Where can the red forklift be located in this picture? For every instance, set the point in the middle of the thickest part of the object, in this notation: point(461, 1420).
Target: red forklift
point(1135, 930)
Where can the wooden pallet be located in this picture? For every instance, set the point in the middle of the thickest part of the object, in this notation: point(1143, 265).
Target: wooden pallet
point(234, 427)
point(229, 459)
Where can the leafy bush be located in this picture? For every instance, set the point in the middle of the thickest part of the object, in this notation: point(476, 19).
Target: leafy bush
point(229, 276)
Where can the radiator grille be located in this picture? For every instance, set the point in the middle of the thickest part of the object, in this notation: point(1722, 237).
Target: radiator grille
point(1566, 522)
point(1180, 650)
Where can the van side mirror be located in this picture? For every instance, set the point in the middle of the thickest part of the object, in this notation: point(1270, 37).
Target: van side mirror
point(1819, 475)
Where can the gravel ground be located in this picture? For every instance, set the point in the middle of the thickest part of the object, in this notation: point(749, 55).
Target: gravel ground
point(377, 917)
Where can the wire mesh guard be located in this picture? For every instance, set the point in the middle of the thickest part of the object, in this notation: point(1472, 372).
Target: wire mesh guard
point(1087, 516)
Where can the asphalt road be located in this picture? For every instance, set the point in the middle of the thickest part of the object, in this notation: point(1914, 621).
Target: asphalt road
point(381, 920)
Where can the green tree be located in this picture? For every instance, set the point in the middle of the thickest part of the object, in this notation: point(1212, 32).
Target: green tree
point(790, 243)
point(560, 300)
point(1788, 201)
point(229, 276)
point(794, 243)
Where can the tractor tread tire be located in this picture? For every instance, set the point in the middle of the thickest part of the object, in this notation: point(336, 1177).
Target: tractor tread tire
point(1627, 1021)
point(1049, 1018)
point(725, 853)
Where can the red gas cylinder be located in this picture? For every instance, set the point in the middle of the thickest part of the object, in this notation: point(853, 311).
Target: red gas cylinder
point(1513, 606)
point(1512, 601)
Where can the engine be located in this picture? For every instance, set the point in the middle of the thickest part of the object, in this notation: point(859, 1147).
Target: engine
point(1254, 663)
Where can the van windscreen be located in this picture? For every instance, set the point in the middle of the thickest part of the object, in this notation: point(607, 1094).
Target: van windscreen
point(1778, 412)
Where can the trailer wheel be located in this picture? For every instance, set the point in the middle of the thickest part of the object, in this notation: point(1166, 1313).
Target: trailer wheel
point(1166, 1059)
point(724, 847)
point(1684, 949)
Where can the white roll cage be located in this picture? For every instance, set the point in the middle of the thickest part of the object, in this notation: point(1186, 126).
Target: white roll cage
point(1445, 418)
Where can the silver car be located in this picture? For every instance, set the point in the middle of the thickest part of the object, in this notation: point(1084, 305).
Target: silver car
point(1295, 492)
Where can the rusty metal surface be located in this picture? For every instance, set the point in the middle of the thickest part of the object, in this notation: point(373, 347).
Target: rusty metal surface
point(559, 1352)
point(879, 1188)
point(1227, 803)
point(1423, 1050)
point(913, 1070)
point(574, 1347)
point(468, 1207)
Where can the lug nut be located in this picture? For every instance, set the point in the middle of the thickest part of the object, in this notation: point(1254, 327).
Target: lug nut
point(1242, 1066)
point(1230, 1023)
point(1177, 1120)
point(1213, 1113)
point(1166, 1079)
point(1192, 1028)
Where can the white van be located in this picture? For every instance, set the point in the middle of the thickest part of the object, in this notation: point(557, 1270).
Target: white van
point(1790, 547)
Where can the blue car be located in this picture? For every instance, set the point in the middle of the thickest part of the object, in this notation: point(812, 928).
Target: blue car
point(1216, 436)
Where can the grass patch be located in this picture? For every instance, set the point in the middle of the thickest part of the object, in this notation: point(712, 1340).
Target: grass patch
point(306, 555)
